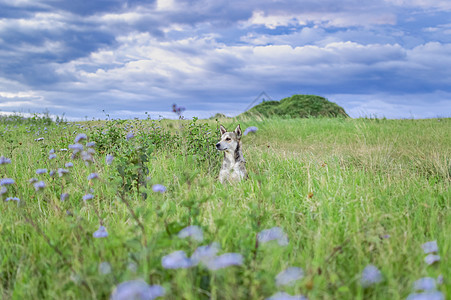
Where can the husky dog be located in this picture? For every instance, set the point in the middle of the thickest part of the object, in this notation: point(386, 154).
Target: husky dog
point(233, 166)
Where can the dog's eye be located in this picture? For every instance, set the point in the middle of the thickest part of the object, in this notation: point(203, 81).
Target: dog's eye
point(228, 139)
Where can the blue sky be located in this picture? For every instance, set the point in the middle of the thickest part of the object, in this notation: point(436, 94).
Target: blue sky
point(380, 58)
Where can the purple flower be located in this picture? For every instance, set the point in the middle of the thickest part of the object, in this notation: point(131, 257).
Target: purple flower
point(430, 247)
point(4, 160)
point(3, 190)
point(275, 233)
point(431, 258)
point(13, 199)
point(39, 139)
point(137, 289)
point(88, 197)
point(109, 159)
point(289, 276)
point(159, 188)
point(176, 260)
point(224, 261)
point(100, 233)
point(76, 147)
point(33, 180)
point(370, 276)
point(39, 185)
point(90, 144)
point(63, 149)
point(205, 253)
point(425, 284)
point(285, 296)
point(429, 295)
point(69, 165)
point(41, 171)
point(6, 181)
point(64, 196)
point(193, 231)
point(250, 129)
point(80, 137)
point(129, 136)
point(86, 157)
point(93, 176)
point(52, 151)
point(52, 156)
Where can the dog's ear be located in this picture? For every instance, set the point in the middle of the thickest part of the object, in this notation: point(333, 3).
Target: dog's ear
point(223, 130)
point(238, 131)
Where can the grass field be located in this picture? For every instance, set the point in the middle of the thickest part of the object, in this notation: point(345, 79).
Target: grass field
point(346, 192)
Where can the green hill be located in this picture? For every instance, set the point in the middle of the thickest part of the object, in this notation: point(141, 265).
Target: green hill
point(298, 106)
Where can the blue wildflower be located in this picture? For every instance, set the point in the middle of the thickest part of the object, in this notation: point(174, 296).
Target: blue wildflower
point(90, 144)
point(13, 199)
point(289, 276)
point(64, 196)
point(370, 276)
point(3, 190)
point(250, 129)
point(176, 260)
point(88, 197)
point(69, 165)
point(425, 284)
point(109, 159)
point(429, 295)
point(158, 188)
point(6, 181)
point(100, 233)
point(137, 289)
point(129, 136)
point(224, 261)
point(430, 247)
point(80, 137)
point(62, 171)
point(275, 233)
point(205, 253)
point(39, 185)
point(431, 258)
point(93, 176)
point(4, 160)
point(193, 231)
point(41, 171)
point(52, 156)
point(76, 147)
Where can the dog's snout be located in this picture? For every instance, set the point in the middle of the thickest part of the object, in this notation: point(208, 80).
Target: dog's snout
point(218, 144)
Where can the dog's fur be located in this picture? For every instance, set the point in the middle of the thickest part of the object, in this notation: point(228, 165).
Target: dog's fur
point(233, 166)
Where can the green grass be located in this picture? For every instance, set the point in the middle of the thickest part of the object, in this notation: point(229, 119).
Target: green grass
point(335, 186)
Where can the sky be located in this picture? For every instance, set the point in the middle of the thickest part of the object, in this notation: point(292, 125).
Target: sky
point(88, 58)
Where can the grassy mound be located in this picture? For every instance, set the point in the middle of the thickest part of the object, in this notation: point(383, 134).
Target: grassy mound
point(298, 106)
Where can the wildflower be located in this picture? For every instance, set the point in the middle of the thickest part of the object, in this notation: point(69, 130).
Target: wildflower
point(176, 260)
point(431, 258)
point(41, 171)
point(250, 129)
point(104, 268)
point(69, 165)
point(137, 289)
point(289, 276)
point(3, 190)
point(129, 136)
point(430, 247)
point(193, 231)
point(159, 188)
point(430, 295)
point(88, 197)
point(52, 156)
point(86, 156)
point(39, 139)
point(425, 284)
point(39, 185)
point(100, 233)
point(33, 180)
point(62, 171)
point(370, 276)
point(285, 296)
point(52, 151)
point(80, 137)
point(224, 261)
point(109, 159)
point(440, 279)
point(76, 148)
point(64, 196)
point(4, 160)
point(275, 233)
point(90, 144)
point(13, 199)
point(63, 149)
point(6, 181)
point(205, 253)
point(93, 176)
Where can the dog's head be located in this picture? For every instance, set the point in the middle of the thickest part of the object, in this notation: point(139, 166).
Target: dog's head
point(229, 140)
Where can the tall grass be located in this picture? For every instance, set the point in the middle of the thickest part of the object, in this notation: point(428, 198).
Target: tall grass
point(347, 192)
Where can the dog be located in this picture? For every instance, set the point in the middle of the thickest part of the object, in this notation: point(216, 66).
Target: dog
point(233, 167)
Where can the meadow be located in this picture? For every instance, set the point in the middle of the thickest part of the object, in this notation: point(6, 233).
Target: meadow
point(88, 206)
